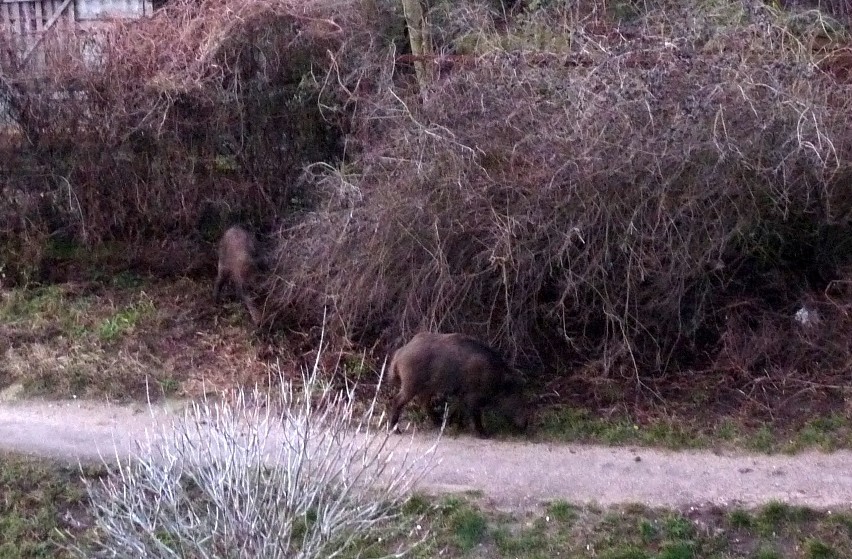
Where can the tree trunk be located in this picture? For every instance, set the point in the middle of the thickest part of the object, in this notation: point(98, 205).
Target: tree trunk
point(421, 42)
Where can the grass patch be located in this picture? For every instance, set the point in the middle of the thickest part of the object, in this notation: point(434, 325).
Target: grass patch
point(467, 525)
point(816, 549)
point(628, 552)
point(561, 511)
point(569, 424)
point(122, 339)
point(512, 545)
point(42, 306)
point(648, 531)
point(637, 531)
point(776, 516)
point(125, 320)
point(740, 518)
point(678, 528)
point(826, 433)
point(678, 550)
point(767, 553)
point(37, 500)
point(417, 504)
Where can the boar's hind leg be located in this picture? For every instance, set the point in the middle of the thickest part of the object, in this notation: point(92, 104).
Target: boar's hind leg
point(399, 402)
point(247, 300)
point(217, 285)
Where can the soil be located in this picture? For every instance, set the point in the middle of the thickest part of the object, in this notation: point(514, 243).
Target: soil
point(513, 475)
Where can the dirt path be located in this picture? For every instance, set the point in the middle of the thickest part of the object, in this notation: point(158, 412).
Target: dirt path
point(512, 475)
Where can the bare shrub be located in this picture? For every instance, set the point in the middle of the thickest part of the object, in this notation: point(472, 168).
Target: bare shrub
point(300, 472)
point(791, 362)
point(579, 192)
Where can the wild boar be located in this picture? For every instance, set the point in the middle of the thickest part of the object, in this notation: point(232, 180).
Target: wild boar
point(460, 367)
point(238, 264)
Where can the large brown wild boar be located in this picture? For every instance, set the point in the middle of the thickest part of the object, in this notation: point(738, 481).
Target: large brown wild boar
point(460, 367)
point(238, 264)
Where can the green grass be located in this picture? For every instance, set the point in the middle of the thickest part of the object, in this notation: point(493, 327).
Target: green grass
point(461, 528)
point(740, 518)
point(56, 310)
point(678, 528)
point(417, 504)
point(526, 542)
point(561, 511)
point(767, 553)
point(816, 549)
point(580, 425)
point(826, 433)
point(466, 525)
point(562, 529)
point(46, 303)
point(66, 343)
point(125, 320)
point(169, 385)
point(649, 531)
point(761, 440)
point(37, 500)
point(567, 424)
point(776, 516)
point(126, 280)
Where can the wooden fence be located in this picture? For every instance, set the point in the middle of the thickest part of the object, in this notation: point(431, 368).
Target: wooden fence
point(25, 23)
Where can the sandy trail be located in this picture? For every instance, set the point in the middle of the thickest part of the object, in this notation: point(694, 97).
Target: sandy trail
point(513, 475)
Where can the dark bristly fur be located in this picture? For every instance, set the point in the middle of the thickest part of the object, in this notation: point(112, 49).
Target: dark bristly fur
point(456, 366)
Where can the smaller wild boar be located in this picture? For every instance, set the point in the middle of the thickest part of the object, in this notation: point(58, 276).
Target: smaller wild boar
point(459, 367)
point(238, 264)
